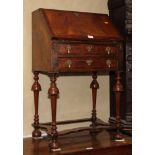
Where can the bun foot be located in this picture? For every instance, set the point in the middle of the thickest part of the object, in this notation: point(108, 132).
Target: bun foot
point(36, 134)
point(119, 137)
point(54, 146)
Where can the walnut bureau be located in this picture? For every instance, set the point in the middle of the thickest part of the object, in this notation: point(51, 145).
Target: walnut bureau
point(68, 42)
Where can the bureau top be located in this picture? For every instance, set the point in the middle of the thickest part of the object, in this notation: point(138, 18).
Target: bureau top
point(77, 25)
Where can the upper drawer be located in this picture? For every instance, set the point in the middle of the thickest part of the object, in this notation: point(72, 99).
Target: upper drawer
point(86, 49)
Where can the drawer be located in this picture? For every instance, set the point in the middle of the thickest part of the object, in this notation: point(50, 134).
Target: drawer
point(86, 64)
point(86, 49)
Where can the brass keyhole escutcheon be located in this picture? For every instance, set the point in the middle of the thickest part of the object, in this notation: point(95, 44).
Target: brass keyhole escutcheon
point(89, 62)
point(108, 62)
point(108, 50)
point(69, 63)
point(68, 48)
point(89, 48)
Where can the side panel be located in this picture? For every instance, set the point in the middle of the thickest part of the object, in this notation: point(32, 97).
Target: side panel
point(41, 43)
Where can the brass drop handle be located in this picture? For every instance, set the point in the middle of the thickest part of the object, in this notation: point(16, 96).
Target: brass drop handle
point(68, 48)
point(69, 63)
point(89, 62)
point(108, 62)
point(89, 48)
point(108, 50)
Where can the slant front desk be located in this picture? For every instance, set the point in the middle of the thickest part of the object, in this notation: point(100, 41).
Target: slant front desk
point(68, 42)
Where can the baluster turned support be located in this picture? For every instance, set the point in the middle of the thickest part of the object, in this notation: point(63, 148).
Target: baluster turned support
point(36, 88)
point(118, 89)
point(94, 86)
point(53, 93)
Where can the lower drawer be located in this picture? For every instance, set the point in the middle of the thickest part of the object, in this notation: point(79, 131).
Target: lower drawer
point(86, 64)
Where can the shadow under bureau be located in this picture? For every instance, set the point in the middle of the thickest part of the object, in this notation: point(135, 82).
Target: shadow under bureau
point(68, 42)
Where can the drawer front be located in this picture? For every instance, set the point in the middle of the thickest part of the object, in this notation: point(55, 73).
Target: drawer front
point(86, 49)
point(86, 64)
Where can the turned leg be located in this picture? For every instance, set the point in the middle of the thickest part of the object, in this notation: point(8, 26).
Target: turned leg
point(36, 88)
point(118, 88)
point(94, 86)
point(53, 93)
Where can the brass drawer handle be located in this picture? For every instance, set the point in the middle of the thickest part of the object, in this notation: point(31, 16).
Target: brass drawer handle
point(108, 50)
point(108, 62)
point(68, 48)
point(69, 63)
point(89, 48)
point(89, 62)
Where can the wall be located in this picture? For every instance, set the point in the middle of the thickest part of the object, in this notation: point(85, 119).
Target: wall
point(75, 95)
